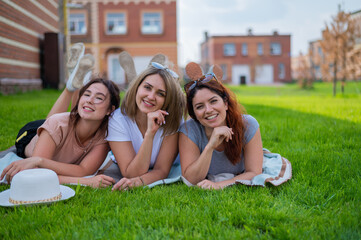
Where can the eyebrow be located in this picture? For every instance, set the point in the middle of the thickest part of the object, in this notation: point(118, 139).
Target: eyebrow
point(161, 90)
point(98, 93)
point(207, 100)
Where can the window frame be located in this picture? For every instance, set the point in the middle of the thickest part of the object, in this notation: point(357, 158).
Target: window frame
point(225, 48)
point(244, 49)
point(79, 33)
point(272, 49)
point(125, 19)
point(260, 51)
point(161, 22)
point(281, 71)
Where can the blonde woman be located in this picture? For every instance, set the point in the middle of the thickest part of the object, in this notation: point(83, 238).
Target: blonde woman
point(143, 133)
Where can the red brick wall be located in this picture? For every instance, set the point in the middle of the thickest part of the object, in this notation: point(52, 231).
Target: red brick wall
point(216, 56)
point(10, 52)
point(134, 18)
point(136, 43)
point(84, 38)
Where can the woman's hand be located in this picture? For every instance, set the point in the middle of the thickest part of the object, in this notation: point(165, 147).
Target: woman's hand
point(206, 184)
point(127, 183)
point(20, 165)
point(99, 181)
point(155, 120)
point(218, 135)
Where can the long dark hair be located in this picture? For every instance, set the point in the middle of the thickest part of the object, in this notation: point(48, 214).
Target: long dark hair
point(114, 101)
point(234, 120)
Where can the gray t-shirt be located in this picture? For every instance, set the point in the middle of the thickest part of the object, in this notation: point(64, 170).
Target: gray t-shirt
point(219, 163)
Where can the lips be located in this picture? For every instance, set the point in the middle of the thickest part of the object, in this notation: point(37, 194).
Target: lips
point(88, 109)
point(148, 104)
point(211, 117)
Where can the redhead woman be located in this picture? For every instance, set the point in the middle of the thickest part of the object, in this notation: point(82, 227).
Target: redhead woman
point(219, 139)
point(143, 133)
point(73, 144)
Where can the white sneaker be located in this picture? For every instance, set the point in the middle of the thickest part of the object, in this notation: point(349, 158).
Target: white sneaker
point(76, 53)
point(127, 63)
point(76, 78)
point(87, 77)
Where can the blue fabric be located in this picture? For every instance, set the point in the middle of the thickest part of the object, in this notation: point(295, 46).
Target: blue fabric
point(174, 176)
point(272, 165)
point(5, 161)
point(271, 168)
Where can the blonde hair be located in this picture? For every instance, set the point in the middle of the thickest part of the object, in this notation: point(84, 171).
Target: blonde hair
point(174, 102)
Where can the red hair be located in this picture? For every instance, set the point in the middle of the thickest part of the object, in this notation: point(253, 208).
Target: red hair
point(234, 119)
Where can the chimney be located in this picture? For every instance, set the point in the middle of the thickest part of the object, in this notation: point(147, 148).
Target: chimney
point(275, 33)
point(249, 31)
point(206, 36)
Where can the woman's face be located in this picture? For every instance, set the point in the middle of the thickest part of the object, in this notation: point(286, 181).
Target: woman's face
point(209, 108)
point(94, 103)
point(151, 94)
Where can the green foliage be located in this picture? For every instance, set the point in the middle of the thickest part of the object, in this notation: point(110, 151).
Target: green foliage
point(318, 133)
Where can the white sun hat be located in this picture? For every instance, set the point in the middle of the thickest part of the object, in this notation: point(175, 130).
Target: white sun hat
point(35, 186)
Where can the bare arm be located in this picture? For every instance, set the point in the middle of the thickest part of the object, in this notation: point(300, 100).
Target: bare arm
point(95, 182)
point(132, 164)
point(253, 161)
point(195, 165)
point(166, 156)
point(43, 153)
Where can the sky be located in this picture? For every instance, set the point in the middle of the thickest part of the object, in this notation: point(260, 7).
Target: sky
point(302, 19)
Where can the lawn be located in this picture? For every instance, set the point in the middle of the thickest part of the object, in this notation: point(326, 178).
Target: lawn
point(318, 133)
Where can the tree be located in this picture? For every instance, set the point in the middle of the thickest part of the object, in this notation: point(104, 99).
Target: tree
point(338, 40)
point(303, 71)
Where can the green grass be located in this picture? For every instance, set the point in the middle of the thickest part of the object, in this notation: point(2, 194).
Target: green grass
point(318, 133)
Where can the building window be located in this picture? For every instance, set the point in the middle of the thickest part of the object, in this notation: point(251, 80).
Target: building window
point(319, 51)
point(281, 71)
point(259, 49)
point(116, 23)
point(275, 49)
point(77, 24)
point(152, 23)
point(224, 70)
point(244, 49)
point(229, 49)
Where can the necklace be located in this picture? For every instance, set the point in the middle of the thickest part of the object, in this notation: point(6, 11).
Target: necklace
point(81, 145)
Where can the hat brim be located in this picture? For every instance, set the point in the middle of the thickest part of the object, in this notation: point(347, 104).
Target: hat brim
point(66, 193)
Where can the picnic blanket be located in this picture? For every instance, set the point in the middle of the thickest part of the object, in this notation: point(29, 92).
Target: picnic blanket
point(5, 161)
point(174, 174)
point(275, 170)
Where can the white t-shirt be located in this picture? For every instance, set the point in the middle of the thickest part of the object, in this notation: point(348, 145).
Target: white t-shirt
point(123, 129)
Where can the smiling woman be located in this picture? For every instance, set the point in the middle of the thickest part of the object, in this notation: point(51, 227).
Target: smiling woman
point(143, 133)
point(219, 139)
point(72, 144)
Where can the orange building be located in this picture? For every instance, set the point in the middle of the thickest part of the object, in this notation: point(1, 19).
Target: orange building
point(249, 59)
point(141, 27)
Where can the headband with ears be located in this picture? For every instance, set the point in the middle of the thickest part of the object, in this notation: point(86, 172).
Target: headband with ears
point(195, 72)
point(127, 63)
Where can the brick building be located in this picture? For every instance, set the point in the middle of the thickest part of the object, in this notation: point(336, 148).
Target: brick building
point(23, 25)
point(316, 59)
point(249, 59)
point(141, 27)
